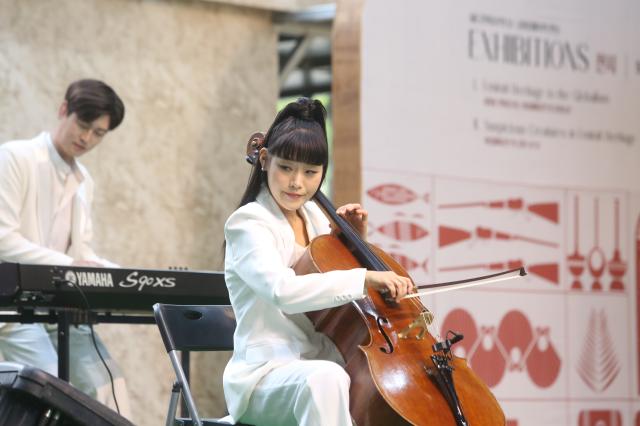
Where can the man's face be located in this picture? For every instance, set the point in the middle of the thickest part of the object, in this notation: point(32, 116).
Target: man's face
point(75, 137)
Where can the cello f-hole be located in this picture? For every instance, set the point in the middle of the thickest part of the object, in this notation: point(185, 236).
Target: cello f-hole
point(381, 321)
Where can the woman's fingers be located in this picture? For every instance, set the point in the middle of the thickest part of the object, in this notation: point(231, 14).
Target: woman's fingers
point(350, 210)
point(403, 287)
point(399, 286)
point(356, 216)
point(388, 281)
point(392, 290)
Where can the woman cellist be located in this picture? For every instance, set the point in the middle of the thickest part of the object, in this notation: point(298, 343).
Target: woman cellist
point(282, 371)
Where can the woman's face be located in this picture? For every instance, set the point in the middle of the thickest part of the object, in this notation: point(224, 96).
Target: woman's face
point(292, 183)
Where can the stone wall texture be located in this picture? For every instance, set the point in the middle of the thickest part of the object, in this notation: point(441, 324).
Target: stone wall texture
point(197, 79)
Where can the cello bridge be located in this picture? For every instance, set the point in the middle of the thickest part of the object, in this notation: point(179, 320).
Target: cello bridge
point(418, 326)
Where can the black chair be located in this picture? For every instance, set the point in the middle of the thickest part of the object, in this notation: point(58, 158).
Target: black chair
point(192, 328)
point(30, 397)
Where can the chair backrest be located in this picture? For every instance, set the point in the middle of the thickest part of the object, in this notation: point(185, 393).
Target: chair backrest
point(195, 327)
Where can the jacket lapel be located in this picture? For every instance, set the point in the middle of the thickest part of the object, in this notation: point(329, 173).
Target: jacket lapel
point(287, 238)
point(43, 193)
point(77, 223)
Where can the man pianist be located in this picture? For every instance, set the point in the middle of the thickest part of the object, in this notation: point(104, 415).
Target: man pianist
point(45, 218)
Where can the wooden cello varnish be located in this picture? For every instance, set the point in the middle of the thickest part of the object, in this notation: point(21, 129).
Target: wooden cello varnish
point(392, 388)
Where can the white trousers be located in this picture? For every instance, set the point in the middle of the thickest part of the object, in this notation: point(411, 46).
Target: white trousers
point(302, 392)
point(33, 345)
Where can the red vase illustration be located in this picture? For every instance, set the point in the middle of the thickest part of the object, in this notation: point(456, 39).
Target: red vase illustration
point(487, 361)
point(617, 267)
point(543, 362)
point(515, 336)
point(575, 261)
point(596, 261)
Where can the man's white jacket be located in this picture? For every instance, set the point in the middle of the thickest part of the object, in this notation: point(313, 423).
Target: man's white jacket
point(269, 299)
point(26, 205)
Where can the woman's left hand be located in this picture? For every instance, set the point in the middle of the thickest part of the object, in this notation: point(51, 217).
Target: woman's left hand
point(356, 216)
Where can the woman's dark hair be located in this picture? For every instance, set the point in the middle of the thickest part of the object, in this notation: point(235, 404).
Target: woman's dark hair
point(90, 99)
point(298, 133)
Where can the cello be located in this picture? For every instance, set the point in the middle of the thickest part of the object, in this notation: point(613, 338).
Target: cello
point(400, 374)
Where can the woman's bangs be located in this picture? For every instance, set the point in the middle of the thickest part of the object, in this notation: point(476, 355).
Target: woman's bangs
point(303, 145)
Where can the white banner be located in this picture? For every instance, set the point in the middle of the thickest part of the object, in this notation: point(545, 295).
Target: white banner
point(499, 134)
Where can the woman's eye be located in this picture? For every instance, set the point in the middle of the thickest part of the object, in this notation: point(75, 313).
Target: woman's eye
point(312, 172)
point(285, 168)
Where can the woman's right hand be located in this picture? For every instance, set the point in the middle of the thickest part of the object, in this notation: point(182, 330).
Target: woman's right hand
point(397, 285)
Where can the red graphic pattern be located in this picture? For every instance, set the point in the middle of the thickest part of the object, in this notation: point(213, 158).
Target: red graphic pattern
point(413, 215)
point(514, 343)
point(617, 267)
point(595, 261)
point(449, 235)
point(598, 366)
point(409, 264)
point(403, 231)
point(600, 418)
point(394, 194)
point(547, 211)
point(575, 261)
point(406, 225)
point(547, 271)
point(515, 346)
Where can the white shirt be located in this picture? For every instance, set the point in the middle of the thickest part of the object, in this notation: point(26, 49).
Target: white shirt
point(28, 202)
point(65, 180)
point(298, 251)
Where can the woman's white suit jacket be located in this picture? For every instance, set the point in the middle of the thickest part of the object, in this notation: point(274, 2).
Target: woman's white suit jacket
point(26, 206)
point(269, 299)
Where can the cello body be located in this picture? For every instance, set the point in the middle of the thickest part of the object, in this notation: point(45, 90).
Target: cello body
point(387, 350)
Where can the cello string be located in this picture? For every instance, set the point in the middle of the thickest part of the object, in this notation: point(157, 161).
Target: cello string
point(436, 326)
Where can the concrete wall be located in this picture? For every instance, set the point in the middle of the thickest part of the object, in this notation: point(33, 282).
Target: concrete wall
point(197, 79)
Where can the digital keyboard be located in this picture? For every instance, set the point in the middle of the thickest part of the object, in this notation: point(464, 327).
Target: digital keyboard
point(106, 289)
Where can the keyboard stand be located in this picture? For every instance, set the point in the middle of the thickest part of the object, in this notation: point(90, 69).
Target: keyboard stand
point(65, 318)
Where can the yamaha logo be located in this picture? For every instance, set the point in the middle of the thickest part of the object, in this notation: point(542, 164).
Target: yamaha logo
point(89, 278)
point(71, 277)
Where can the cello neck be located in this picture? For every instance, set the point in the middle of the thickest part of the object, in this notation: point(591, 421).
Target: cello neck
point(361, 249)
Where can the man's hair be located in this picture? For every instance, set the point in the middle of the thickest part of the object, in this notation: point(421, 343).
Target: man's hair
point(90, 99)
